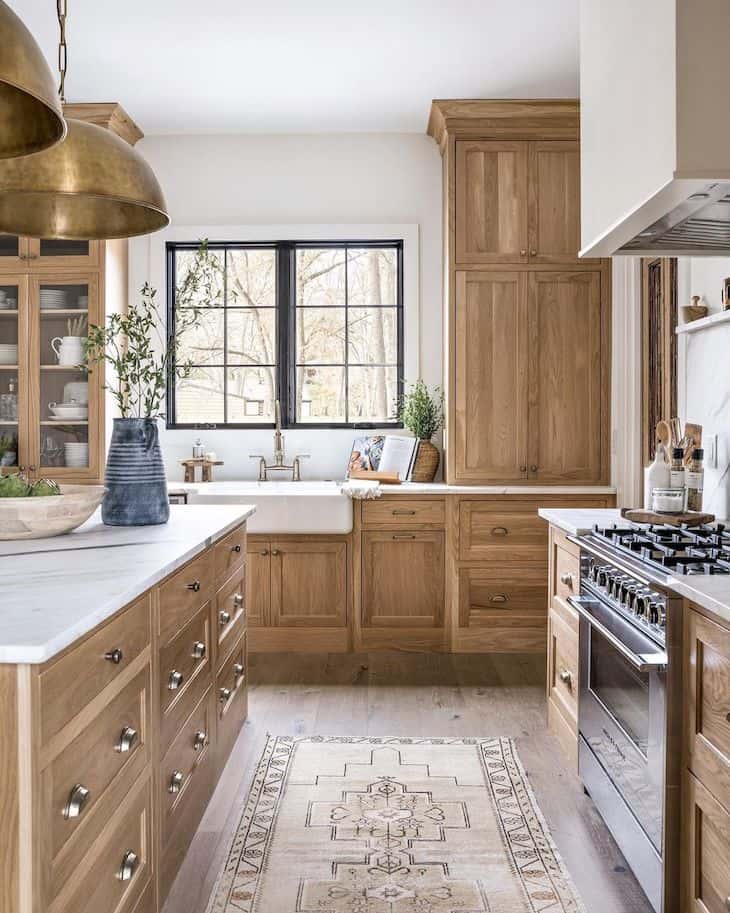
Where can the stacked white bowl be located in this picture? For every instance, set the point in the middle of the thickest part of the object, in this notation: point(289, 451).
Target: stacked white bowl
point(8, 353)
point(76, 454)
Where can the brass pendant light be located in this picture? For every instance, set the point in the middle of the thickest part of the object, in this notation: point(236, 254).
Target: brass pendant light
point(31, 118)
point(91, 186)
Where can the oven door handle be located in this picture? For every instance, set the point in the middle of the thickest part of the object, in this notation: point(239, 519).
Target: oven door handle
point(642, 662)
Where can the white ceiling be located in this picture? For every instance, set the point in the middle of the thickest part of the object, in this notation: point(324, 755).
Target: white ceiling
point(307, 65)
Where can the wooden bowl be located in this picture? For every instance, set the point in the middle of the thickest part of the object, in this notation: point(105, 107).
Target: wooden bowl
point(36, 518)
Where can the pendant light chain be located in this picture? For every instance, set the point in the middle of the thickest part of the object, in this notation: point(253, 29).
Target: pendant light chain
point(62, 10)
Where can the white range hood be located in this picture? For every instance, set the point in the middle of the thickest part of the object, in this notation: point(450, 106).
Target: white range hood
point(655, 127)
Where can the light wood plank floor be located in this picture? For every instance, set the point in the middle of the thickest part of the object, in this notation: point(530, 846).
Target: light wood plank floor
point(405, 694)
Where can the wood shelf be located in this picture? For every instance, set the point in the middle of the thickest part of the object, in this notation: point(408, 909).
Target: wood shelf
point(63, 312)
point(703, 323)
point(59, 423)
point(74, 368)
point(8, 367)
point(8, 312)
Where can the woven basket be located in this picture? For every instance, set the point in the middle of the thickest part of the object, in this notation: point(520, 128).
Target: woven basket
point(427, 462)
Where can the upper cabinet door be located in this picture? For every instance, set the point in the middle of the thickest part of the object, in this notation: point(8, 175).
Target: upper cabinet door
point(554, 202)
point(13, 254)
point(569, 323)
point(57, 254)
point(490, 377)
point(491, 202)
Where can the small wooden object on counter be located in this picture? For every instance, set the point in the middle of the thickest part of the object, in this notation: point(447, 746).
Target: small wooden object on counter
point(206, 468)
point(693, 439)
point(385, 478)
point(688, 518)
point(694, 311)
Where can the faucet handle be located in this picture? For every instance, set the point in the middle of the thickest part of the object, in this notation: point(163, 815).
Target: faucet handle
point(256, 456)
point(304, 456)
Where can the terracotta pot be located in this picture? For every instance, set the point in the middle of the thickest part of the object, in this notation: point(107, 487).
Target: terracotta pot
point(427, 462)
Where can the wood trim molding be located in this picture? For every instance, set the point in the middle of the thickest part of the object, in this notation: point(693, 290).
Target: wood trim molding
point(626, 469)
point(110, 115)
point(524, 118)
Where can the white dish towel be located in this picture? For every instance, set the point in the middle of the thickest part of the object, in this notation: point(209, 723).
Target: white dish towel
point(361, 489)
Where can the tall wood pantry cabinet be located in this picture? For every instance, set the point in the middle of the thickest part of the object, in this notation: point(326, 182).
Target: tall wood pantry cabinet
point(527, 342)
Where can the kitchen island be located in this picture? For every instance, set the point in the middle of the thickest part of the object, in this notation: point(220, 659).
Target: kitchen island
point(122, 691)
point(696, 840)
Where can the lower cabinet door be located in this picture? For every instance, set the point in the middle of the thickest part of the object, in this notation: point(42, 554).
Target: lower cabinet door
point(309, 584)
point(402, 578)
point(258, 583)
point(705, 850)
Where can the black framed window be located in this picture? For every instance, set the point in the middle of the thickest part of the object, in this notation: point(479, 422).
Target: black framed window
point(316, 325)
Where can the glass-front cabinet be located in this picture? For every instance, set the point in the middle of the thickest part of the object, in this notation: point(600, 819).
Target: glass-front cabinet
point(51, 410)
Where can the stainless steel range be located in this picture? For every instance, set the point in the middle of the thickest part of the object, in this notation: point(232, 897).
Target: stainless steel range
point(630, 680)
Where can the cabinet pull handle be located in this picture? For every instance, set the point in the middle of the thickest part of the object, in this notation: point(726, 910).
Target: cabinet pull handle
point(523, 252)
point(565, 677)
point(238, 600)
point(126, 740)
point(176, 781)
point(499, 597)
point(567, 580)
point(402, 512)
point(274, 551)
point(523, 468)
point(402, 536)
point(114, 656)
point(174, 680)
point(198, 651)
point(236, 548)
point(130, 861)
point(533, 252)
point(77, 799)
point(533, 468)
point(264, 552)
point(225, 694)
point(238, 672)
point(200, 740)
point(194, 586)
point(500, 531)
point(223, 618)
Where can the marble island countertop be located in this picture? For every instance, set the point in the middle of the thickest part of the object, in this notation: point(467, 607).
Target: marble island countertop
point(56, 590)
point(709, 592)
point(405, 488)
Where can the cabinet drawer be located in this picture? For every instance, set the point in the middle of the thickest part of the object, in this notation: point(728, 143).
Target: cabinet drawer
point(403, 513)
point(126, 844)
point(231, 700)
point(112, 745)
point(184, 593)
point(707, 674)
point(705, 850)
point(230, 554)
point(184, 674)
point(565, 572)
point(562, 673)
point(70, 682)
point(495, 597)
point(186, 758)
point(505, 532)
point(229, 619)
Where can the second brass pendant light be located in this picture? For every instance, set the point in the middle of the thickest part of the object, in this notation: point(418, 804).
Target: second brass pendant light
point(90, 186)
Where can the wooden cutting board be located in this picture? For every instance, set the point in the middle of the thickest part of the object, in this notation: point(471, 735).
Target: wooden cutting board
point(689, 518)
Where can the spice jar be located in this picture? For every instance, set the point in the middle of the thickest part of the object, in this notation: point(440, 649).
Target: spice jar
point(694, 480)
point(667, 500)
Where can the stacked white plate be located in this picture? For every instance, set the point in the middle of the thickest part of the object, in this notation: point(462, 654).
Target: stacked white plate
point(76, 454)
point(83, 302)
point(53, 299)
point(8, 353)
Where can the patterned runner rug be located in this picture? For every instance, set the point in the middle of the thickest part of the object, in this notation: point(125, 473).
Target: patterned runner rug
point(361, 825)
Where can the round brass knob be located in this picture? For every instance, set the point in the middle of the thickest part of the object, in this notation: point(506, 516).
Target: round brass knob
point(264, 552)
point(533, 252)
point(274, 551)
point(565, 677)
point(523, 253)
point(567, 580)
point(533, 468)
point(236, 549)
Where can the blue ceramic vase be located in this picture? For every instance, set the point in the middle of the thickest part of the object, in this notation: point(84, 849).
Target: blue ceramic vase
point(135, 476)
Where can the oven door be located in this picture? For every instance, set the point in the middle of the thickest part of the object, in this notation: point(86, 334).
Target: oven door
point(622, 709)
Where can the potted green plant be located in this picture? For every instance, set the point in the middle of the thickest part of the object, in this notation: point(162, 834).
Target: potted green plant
point(142, 360)
point(422, 413)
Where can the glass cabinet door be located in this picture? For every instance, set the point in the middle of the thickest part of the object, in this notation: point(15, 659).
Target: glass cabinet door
point(54, 254)
point(13, 373)
point(68, 399)
point(13, 254)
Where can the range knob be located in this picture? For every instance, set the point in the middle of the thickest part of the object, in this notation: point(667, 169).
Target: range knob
point(641, 606)
point(595, 572)
point(654, 609)
point(630, 597)
point(624, 592)
point(602, 576)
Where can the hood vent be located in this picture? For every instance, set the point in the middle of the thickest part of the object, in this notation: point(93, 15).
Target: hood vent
point(701, 224)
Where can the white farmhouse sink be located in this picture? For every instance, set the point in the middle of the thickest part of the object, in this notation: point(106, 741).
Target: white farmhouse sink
point(281, 507)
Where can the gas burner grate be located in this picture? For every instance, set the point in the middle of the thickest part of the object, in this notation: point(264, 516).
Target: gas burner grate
point(684, 550)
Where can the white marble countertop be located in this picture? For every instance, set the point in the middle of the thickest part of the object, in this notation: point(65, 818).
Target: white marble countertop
point(56, 590)
point(406, 488)
point(711, 593)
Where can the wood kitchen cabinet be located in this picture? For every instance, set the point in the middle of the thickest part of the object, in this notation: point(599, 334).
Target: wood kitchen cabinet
point(298, 593)
point(403, 578)
point(531, 377)
point(527, 356)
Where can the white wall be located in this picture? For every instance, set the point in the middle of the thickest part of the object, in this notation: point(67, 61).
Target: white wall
point(338, 179)
point(704, 375)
